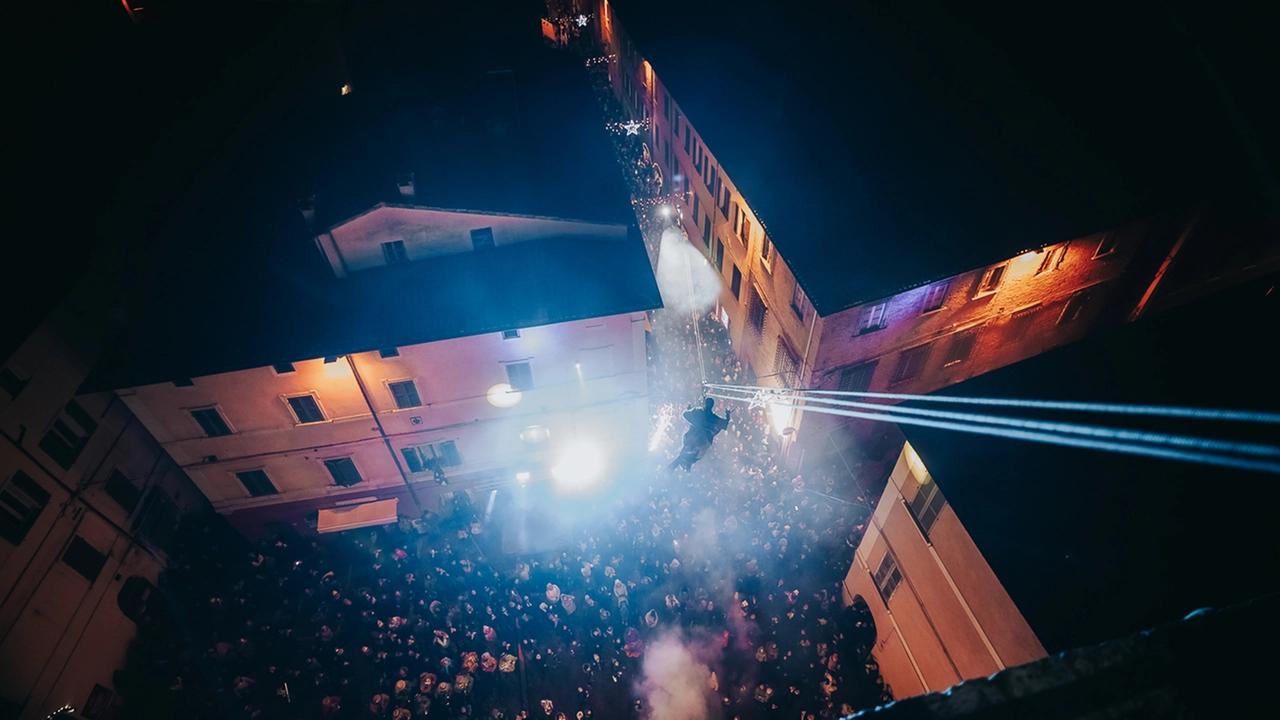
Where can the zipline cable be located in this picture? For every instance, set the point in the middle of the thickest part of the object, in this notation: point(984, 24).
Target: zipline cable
point(1256, 416)
point(1043, 437)
point(1098, 431)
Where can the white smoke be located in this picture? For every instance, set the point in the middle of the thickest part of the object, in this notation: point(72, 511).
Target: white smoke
point(675, 683)
point(686, 279)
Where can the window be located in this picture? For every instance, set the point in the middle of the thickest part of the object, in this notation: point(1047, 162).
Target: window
point(936, 297)
point(756, 312)
point(1074, 307)
point(911, 363)
point(961, 347)
point(688, 138)
point(283, 368)
point(405, 394)
point(211, 422)
point(389, 352)
point(432, 456)
point(858, 377)
point(991, 281)
point(799, 302)
point(926, 506)
point(510, 334)
point(394, 252)
point(84, 558)
point(724, 203)
point(344, 471)
point(719, 255)
point(482, 238)
point(872, 319)
point(736, 284)
point(786, 366)
point(21, 501)
point(11, 381)
point(69, 434)
point(123, 491)
point(887, 577)
point(184, 382)
point(306, 409)
point(697, 205)
point(1108, 244)
point(1052, 259)
point(766, 250)
point(706, 231)
point(132, 600)
point(257, 483)
point(520, 376)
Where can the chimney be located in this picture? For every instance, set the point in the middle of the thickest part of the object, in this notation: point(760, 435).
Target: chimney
point(405, 182)
point(307, 206)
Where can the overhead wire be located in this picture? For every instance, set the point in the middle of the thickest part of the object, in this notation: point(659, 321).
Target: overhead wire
point(961, 422)
point(1255, 416)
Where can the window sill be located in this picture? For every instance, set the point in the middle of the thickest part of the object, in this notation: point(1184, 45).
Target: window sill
point(986, 293)
point(931, 311)
point(869, 330)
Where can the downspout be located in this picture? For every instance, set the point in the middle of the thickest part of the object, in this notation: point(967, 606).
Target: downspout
point(955, 589)
point(364, 392)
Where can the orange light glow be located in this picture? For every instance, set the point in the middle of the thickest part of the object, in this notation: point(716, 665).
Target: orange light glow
point(346, 89)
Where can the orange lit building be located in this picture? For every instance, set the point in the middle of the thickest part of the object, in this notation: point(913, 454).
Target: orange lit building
point(941, 614)
point(872, 291)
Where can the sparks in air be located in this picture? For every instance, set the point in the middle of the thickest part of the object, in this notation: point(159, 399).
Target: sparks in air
point(632, 128)
point(582, 20)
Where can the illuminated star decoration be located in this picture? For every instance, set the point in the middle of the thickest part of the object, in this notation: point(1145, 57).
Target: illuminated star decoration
point(632, 128)
point(758, 400)
point(581, 20)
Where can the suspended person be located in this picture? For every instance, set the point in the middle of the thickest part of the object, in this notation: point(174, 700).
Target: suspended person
point(704, 425)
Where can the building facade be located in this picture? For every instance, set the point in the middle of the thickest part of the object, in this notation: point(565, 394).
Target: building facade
point(935, 331)
point(941, 614)
point(498, 389)
point(88, 502)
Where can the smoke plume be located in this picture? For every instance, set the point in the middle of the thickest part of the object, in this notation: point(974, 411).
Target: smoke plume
point(686, 279)
point(675, 681)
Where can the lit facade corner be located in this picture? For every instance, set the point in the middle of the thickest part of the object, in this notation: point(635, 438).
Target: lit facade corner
point(941, 614)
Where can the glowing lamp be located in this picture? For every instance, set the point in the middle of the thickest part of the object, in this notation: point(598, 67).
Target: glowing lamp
point(780, 417)
point(523, 476)
point(535, 434)
point(346, 89)
point(503, 395)
point(665, 210)
point(579, 467)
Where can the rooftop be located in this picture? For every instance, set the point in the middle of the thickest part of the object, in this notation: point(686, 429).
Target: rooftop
point(886, 145)
point(486, 117)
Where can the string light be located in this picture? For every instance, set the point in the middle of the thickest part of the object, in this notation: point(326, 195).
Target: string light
point(631, 127)
point(600, 60)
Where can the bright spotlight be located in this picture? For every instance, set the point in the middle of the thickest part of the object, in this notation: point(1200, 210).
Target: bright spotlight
point(503, 395)
point(579, 467)
point(780, 417)
point(665, 210)
point(523, 476)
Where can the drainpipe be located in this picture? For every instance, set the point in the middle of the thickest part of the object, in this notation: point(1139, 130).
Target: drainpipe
point(955, 589)
point(364, 392)
point(1164, 268)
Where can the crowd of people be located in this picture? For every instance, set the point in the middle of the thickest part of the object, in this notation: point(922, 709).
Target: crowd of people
point(733, 559)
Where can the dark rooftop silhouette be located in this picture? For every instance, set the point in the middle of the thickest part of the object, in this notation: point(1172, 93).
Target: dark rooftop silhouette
point(487, 118)
point(1093, 545)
